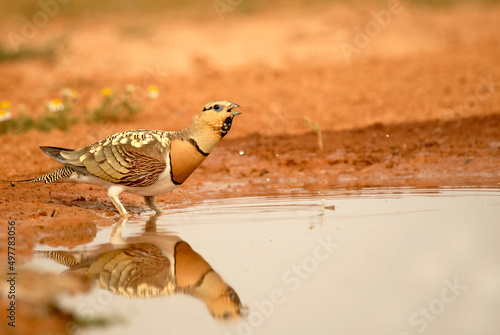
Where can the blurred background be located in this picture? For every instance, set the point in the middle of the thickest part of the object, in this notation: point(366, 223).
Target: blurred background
point(334, 94)
point(343, 64)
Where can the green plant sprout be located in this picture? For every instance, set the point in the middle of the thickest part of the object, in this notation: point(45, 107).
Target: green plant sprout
point(113, 108)
point(316, 128)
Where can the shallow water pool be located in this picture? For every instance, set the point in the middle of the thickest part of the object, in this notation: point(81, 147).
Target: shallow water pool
point(393, 261)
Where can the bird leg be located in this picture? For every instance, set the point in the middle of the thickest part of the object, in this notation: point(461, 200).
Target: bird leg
point(151, 202)
point(116, 233)
point(114, 196)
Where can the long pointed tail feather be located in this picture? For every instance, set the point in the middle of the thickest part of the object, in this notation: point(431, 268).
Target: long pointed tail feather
point(61, 257)
point(61, 173)
point(16, 181)
point(53, 176)
point(56, 175)
point(13, 182)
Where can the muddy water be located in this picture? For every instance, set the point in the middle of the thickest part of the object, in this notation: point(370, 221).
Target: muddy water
point(396, 261)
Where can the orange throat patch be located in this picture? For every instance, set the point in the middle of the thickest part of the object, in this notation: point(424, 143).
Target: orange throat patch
point(184, 159)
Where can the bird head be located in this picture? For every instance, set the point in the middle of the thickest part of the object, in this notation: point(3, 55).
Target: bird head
point(218, 115)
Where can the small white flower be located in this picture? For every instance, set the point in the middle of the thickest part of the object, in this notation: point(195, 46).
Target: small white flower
point(129, 88)
point(153, 92)
point(55, 105)
point(5, 111)
point(5, 115)
point(69, 93)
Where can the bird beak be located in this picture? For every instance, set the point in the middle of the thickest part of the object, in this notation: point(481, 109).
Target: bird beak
point(234, 113)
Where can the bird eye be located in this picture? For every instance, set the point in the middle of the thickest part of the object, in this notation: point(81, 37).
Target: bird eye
point(217, 108)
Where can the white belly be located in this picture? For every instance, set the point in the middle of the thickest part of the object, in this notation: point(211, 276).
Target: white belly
point(162, 186)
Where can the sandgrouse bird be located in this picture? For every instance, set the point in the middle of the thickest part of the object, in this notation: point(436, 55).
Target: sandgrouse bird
point(144, 162)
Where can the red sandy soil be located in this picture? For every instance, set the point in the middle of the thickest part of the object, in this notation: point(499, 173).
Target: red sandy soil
point(418, 106)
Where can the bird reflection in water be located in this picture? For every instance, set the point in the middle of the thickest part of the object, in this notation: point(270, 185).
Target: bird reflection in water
point(152, 265)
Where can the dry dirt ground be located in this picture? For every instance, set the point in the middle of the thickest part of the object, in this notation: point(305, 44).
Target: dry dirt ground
point(417, 104)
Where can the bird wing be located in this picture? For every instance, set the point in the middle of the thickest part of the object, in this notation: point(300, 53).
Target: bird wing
point(139, 270)
point(132, 158)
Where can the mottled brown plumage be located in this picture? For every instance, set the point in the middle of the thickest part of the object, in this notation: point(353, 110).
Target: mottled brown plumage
point(144, 162)
point(152, 265)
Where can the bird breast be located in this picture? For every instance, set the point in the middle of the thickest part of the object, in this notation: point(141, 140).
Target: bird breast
point(185, 157)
